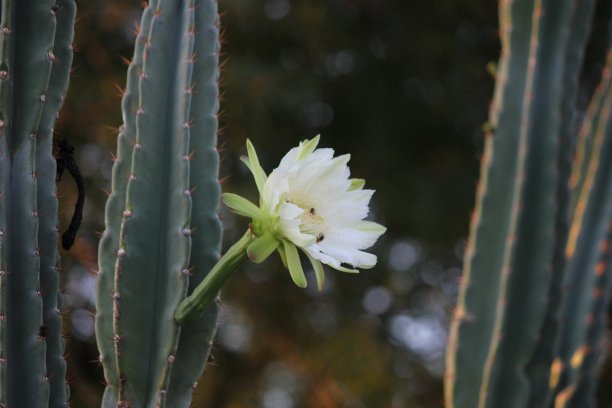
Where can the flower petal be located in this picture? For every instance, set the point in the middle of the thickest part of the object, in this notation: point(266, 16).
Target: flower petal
point(347, 254)
point(255, 167)
point(371, 227)
point(329, 260)
point(262, 248)
point(290, 225)
point(241, 205)
point(318, 270)
point(294, 264)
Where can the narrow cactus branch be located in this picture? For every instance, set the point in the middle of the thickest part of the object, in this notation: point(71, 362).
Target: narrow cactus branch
point(539, 367)
point(35, 58)
point(51, 331)
point(196, 337)
point(529, 257)
point(33, 31)
point(5, 113)
point(115, 206)
point(474, 325)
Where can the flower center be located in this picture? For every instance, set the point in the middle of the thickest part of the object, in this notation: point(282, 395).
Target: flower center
point(311, 222)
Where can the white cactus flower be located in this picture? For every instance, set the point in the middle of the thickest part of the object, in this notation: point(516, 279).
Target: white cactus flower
point(309, 202)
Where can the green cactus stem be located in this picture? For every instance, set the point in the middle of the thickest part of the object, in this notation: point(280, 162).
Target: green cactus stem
point(162, 230)
point(538, 369)
point(36, 54)
point(502, 304)
point(592, 194)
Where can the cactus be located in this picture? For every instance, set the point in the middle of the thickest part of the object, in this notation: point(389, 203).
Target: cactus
point(162, 230)
point(505, 333)
point(36, 55)
point(585, 304)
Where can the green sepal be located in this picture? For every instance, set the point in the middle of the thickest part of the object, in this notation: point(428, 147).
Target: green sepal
point(283, 256)
point(255, 167)
point(308, 147)
point(260, 249)
point(369, 226)
point(294, 265)
point(318, 270)
point(241, 205)
point(356, 184)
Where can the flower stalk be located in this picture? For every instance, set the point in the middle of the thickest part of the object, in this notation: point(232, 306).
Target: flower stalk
point(193, 306)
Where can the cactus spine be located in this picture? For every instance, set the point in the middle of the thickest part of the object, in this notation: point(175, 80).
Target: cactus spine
point(36, 54)
point(162, 231)
point(505, 333)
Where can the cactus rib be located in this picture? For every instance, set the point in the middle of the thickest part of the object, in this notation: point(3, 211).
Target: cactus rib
point(5, 112)
point(530, 252)
point(33, 31)
point(196, 337)
point(48, 207)
point(109, 244)
point(583, 396)
point(473, 327)
point(538, 369)
point(592, 211)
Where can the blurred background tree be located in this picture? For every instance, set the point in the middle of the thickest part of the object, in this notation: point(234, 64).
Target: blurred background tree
point(403, 87)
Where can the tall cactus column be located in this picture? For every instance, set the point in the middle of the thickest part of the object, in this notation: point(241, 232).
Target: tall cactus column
point(162, 231)
point(36, 54)
point(504, 294)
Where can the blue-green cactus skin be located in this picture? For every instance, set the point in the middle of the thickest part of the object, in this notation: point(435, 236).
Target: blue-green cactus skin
point(65, 14)
point(539, 367)
point(498, 354)
point(585, 303)
point(162, 230)
point(36, 54)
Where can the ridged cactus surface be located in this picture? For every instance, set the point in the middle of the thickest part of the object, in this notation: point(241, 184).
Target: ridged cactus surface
point(162, 230)
point(36, 55)
point(588, 251)
point(506, 331)
point(539, 368)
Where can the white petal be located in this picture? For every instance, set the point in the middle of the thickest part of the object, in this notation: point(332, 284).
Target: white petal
point(290, 225)
point(290, 210)
point(351, 237)
point(351, 256)
point(352, 206)
point(290, 159)
point(328, 260)
point(275, 189)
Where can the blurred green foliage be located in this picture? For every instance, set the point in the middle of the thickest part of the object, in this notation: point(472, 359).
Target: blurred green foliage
point(403, 87)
